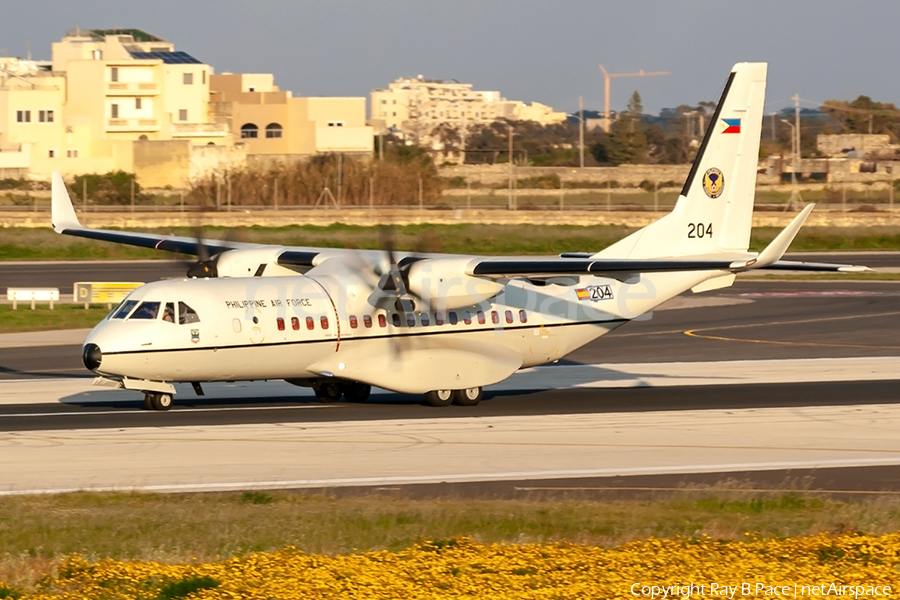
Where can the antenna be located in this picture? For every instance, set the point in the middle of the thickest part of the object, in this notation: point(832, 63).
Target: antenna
point(608, 76)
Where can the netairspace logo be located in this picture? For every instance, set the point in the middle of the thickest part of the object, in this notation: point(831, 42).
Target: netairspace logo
point(796, 590)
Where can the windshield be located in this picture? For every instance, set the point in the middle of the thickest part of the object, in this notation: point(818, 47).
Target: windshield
point(123, 309)
point(147, 310)
point(186, 314)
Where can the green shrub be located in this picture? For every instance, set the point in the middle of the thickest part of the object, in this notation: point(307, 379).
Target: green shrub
point(182, 587)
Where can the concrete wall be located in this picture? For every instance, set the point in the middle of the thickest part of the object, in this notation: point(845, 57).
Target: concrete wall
point(836, 146)
point(625, 175)
point(205, 160)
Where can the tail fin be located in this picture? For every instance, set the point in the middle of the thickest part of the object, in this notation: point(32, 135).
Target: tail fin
point(714, 212)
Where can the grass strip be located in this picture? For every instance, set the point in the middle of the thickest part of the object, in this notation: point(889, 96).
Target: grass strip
point(63, 316)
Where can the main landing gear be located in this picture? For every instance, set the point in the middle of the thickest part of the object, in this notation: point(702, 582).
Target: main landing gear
point(467, 397)
point(157, 401)
point(331, 391)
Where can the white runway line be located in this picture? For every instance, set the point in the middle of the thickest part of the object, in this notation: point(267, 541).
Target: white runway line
point(608, 375)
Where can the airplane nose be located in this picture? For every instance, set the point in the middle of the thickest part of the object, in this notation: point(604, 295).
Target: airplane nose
point(92, 356)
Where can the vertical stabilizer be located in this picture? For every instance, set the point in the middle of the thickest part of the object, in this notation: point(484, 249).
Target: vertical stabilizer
point(714, 212)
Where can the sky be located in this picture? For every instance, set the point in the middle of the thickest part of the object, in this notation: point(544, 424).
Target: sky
point(529, 50)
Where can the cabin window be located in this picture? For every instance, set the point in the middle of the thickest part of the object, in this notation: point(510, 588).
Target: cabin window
point(425, 320)
point(467, 317)
point(354, 323)
point(395, 319)
point(367, 321)
point(186, 314)
point(124, 309)
point(523, 317)
point(147, 310)
point(295, 323)
point(323, 321)
point(481, 317)
point(509, 317)
point(280, 322)
point(169, 312)
point(236, 325)
point(453, 318)
point(310, 324)
point(495, 318)
point(411, 319)
point(438, 318)
point(382, 321)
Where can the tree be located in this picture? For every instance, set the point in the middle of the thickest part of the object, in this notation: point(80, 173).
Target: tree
point(627, 140)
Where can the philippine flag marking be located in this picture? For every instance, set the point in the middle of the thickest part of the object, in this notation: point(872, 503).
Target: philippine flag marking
point(732, 126)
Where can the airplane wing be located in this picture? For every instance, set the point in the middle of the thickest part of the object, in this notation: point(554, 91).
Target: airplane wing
point(579, 264)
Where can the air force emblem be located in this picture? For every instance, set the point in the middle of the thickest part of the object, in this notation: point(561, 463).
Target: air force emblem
point(195, 335)
point(713, 182)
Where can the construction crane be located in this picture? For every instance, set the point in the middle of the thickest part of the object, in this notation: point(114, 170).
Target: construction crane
point(608, 76)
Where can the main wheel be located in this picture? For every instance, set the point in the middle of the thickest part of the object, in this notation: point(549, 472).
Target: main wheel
point(330, 391)
point(149, 399)
point(468, 397)
point(439, 397)
point(162, 401)
point(357, 392)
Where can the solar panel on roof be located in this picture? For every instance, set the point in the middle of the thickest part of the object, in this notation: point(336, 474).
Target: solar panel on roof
point(170, 58)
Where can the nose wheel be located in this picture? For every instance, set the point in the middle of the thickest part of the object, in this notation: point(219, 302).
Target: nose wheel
point(157, 401)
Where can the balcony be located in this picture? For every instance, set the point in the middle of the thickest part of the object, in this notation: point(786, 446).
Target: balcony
point(125, 125)
point(194, 130)
point(131, 88)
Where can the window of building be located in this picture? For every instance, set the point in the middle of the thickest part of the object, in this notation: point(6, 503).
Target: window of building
point(251, 88)
point(295, 322)
point(187, 78)
point(335, 123)
point(324, 322)
point(114, 111)
point(249, 130)
point(394, 114)
point(97, 54)
point(382, 321)
point(138, 103)
point(384, 101)
point(182, 114)
point(72, 153)
point(273, 130)
point(395, 102)
point(23, 116)
point(45, 116)
point(114, 74)
point(280, 322)
point(310, 324)
point(354, 322)
point(51, 153)
point(367, 321)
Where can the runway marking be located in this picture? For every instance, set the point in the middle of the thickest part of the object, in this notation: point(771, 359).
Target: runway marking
point(464, 477)
point(153, 412)
point(693, 333)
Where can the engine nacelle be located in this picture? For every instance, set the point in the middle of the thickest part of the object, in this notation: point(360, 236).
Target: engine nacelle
point(444, 285)
point(246, 262)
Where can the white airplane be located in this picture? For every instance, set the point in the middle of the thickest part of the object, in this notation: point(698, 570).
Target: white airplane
point(342, 321)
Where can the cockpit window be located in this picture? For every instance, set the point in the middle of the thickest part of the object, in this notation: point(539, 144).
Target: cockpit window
point(122, 311)
point(169, 312)
point(186, 314)
point(147, 310)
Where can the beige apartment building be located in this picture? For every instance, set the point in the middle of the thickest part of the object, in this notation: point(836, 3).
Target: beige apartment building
point(127, 100)
point(275, 125)
point(418, 107)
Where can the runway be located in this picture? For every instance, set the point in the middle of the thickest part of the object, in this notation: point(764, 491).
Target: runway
point(763, 381)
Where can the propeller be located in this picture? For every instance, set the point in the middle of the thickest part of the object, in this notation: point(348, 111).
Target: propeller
point(396, 279)
point(205, 265)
